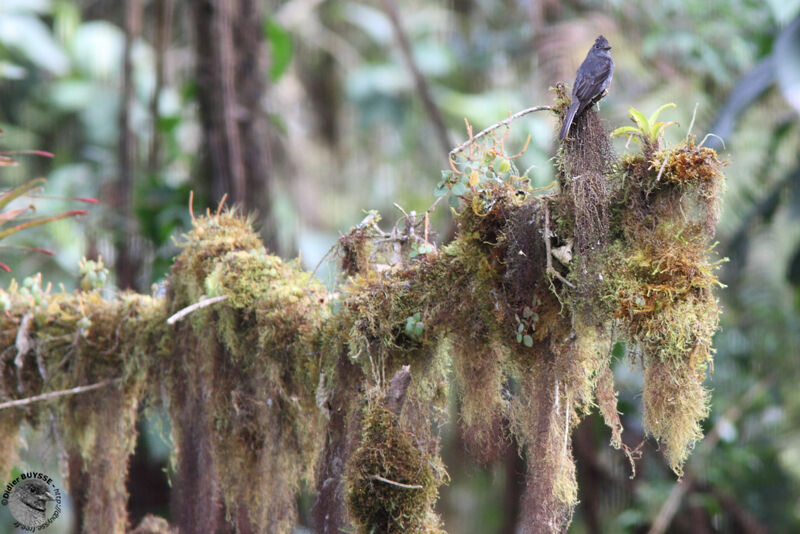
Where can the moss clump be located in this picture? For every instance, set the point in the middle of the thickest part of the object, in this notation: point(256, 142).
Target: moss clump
point(355, 247)
point(245, 376)
point(212, 237)
point(675, 402)
point(390, 486)
point(659, 283)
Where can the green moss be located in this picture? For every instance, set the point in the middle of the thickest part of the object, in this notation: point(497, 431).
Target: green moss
point(391, 486)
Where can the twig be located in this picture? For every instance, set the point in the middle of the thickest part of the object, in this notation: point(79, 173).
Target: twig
point(393, 483)
point(691, 124)
point(493, 127)
point(55, 394)
point(421, 83)
point(661, 170)
point(164, 13)
point(566, 428)
point(196, 306)
point(721, 140)
point(550, 269)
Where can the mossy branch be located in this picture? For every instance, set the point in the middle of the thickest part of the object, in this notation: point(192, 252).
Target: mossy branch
point(287, 382)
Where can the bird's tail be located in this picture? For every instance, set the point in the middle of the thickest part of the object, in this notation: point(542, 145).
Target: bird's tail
point(573, 109)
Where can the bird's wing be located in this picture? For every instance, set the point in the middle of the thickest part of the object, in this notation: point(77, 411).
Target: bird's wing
point(590, 79)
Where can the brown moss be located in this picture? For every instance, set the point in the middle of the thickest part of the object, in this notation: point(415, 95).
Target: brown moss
point(583, 206)
point(542, 419)
point(479, 369)
point(9, 442)
point(106, 460)
point(660, 282)
point(354, 251)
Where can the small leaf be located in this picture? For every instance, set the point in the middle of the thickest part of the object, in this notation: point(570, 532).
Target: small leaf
point(625, 130)
point(42, 220)
point(441, 189)
point(640, 120)
point(502, 165)
point(423, 248)
point(410, 327)
point(656, 113)
point(458, 189)
point(527, 341)
point(280, 42)
point(662, 128)
point(474, 178)
point(519, 338)
point(20, 190)
point(13, 214)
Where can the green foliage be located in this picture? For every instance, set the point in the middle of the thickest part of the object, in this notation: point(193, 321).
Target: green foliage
point(280, 42)
point(525, 324)
point(94, 274)
point(648, 131)
point(414, 326)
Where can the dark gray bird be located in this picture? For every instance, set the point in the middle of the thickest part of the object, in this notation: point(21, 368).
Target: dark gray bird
point(28, 502)
point(591, 82)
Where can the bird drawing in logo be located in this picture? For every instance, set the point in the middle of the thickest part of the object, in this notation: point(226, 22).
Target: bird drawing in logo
point(591, 82)
point(28, 502)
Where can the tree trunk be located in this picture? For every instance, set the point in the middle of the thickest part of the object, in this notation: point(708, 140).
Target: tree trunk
point(126, 264)
point(230, 87)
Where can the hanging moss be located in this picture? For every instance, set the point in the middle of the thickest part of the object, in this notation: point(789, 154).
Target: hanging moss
point(660, 284)
point(675, 402)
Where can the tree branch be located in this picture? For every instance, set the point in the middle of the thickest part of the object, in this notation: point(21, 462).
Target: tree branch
point(55, 394)
point(393, 483)
point(504, 122)
point(419, 79)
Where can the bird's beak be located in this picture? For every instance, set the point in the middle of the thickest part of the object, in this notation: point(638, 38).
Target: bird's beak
point(49, 496)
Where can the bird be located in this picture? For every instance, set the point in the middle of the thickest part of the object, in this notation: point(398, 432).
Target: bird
point(28, 502)
point(591, 82)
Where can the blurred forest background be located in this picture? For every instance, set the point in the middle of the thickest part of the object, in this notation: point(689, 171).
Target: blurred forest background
point(333, 107)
